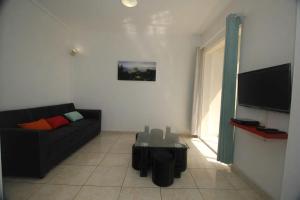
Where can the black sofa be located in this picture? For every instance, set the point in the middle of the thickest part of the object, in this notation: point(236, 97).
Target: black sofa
point(29, 153)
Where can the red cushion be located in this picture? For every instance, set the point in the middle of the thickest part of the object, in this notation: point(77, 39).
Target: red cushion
point(57, 121)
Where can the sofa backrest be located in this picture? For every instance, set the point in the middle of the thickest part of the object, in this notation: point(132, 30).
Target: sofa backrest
point(10, 119)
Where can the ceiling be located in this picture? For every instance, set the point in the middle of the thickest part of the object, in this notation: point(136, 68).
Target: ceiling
point(150, 16)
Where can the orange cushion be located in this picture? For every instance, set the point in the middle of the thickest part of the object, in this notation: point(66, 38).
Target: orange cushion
point(41, 124)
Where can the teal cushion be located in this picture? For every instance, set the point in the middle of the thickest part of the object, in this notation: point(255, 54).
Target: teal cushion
point(73, 116)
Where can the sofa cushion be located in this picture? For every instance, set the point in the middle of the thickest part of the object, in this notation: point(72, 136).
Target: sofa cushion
point(84, 123)
point(57, 121)
point(74, 116)
point(60, 133)
point(41, 125)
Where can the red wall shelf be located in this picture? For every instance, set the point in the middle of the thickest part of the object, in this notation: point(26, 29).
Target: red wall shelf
point(252, 130)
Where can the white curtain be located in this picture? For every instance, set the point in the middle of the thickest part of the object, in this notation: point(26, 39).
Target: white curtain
point(211, 91)
point(197, 95)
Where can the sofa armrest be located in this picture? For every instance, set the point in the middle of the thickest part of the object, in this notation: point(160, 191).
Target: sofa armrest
point(20, 140)
point(21, 150)
point(90, 114)
point(18, 135)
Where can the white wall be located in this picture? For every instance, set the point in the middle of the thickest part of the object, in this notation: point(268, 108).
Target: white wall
point(268, 39)
point(129, 105)
point(34, 60)
point(291, 181)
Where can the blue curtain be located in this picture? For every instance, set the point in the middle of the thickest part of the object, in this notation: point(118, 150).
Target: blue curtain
point(226, 136)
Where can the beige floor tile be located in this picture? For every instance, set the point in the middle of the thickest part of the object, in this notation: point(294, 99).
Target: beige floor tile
point(199, 147)
point(110, 135)
point(107, 139)
point(130, 134)
point(129, 141)
point(121, 160)
point(236, 181)
point(46, 179)
point(212, 194)
point(20, 191)
point(196, 161)
point(133, 179)
point(98, 193)
point(107, 176)
point(222, 167)
point(210, 178)
point(192, 146)
point(82, 158)
point(180, 194)
point(251, 195)
point(128, 137)
point(185, 181)
point(111, 151)
point(57, 192)
point(73, 175)
point(195, 151)
point(140, 194)
point(94, 147)
point(122, 147)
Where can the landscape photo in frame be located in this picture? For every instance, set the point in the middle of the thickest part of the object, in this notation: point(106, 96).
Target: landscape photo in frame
point(136, 71)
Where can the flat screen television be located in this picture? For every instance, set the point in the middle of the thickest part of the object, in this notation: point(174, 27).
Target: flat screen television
point(268, 88)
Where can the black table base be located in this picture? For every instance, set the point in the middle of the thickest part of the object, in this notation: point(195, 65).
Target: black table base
point(142, 159)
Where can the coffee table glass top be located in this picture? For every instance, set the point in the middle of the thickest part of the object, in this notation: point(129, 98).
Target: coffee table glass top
point(163, 140)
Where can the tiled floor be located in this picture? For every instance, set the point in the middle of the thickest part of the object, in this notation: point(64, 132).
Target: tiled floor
point(101, 170)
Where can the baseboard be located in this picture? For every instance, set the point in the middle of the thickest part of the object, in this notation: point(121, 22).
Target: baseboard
point(123, 132)
point(251, 183)
point(188, 135)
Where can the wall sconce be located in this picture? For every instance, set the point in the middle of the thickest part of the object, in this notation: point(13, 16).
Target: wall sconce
point(129, 3)
point(75, 51)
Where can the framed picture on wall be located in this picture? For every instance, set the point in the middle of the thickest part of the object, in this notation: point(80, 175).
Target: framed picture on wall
point(136, 71)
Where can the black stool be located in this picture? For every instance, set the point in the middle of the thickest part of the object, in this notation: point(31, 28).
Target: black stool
point(180, 155)
point(136, 156)
point(163, 165)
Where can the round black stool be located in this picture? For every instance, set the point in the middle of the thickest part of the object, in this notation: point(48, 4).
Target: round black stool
point(136, 156)
point(163, 165)
point(181, 160)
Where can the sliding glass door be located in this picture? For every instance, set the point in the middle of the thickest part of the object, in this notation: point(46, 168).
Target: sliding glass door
point(212, 91)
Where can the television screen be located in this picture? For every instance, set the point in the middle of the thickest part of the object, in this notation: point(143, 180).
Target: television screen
point(268, 88)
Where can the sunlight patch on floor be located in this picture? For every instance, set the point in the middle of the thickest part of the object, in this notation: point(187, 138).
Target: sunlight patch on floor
point(203, 149)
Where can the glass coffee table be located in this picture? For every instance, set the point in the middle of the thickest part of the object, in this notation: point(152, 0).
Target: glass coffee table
point(147, 142)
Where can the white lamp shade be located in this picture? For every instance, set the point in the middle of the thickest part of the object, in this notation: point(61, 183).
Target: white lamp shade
point(129, 3)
